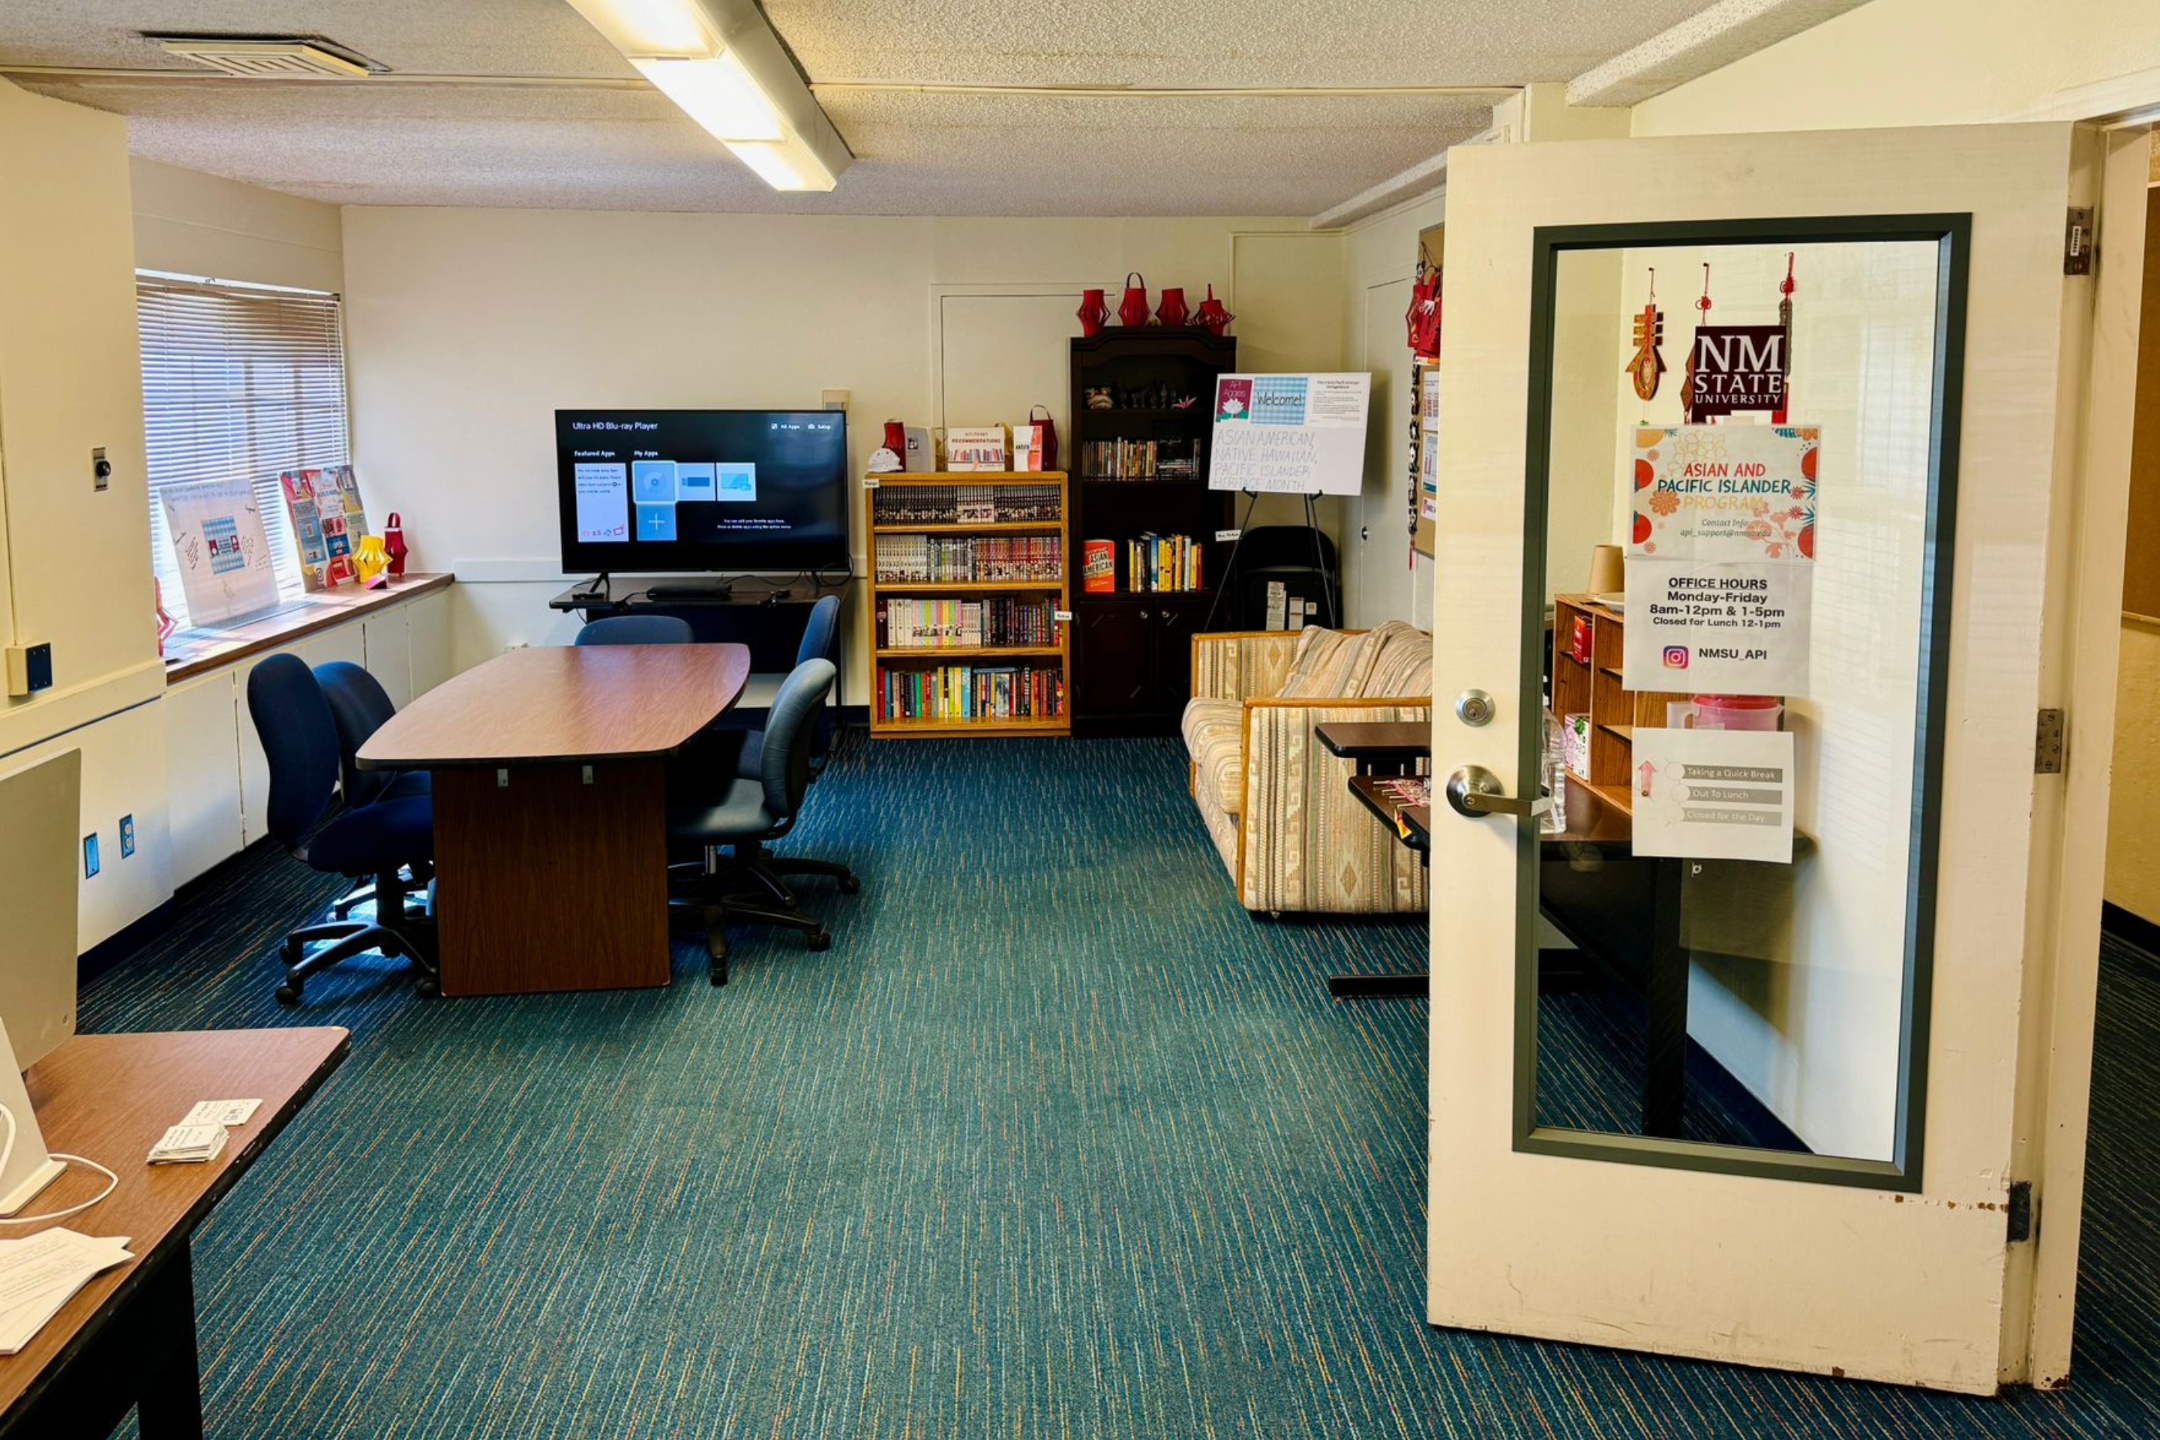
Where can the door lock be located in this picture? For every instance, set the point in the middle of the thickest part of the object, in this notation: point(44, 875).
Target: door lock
point(1476, 792)
point(1474, 707)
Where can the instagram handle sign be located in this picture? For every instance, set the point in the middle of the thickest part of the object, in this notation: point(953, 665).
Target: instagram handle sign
point(1676, 657)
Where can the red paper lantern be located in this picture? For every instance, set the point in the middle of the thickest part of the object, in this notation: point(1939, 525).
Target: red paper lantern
point(1211, 316)
point(1172, 311)
point(1132, 312)
point(394, 544)
point(1094, 313)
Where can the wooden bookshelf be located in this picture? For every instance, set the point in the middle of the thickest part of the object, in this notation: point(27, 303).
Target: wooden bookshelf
point(1132, 660)
point(885, 530)
point(1594, 689)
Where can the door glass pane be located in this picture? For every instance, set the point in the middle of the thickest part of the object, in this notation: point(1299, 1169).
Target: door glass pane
point(1732, 633)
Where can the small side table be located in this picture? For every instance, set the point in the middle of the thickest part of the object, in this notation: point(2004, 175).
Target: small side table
point(1384, 749)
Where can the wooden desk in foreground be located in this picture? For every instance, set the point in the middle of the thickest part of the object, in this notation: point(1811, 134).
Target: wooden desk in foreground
point(551, 809)
point(128, 1337)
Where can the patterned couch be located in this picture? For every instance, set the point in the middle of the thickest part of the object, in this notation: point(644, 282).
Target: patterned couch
point(1275, 802)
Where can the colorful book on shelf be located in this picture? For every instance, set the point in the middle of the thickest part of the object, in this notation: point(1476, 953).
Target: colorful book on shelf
point(1098, 567)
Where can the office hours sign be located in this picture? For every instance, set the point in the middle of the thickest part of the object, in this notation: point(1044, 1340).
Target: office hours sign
point(1721, 558)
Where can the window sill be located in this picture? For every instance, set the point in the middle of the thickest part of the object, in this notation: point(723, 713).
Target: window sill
point(186, 659)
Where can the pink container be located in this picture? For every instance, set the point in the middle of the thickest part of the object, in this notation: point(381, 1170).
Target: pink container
point(1737, 712)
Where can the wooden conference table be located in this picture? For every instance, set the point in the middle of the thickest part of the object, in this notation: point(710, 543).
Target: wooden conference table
point(551, 807)
point(128, 1337)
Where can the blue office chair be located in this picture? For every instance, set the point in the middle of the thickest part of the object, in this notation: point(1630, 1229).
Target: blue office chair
point(360, 706)
point(636, 630)
point(743, 815)
point(300, 739)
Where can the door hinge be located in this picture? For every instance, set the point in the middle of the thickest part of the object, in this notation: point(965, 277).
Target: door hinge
point(2019, 1204)
point(2048, 744)
point(2078, 251)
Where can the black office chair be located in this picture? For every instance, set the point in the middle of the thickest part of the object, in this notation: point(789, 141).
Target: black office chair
point(299, 738)
point(747, 814)
point(820, 641)
point(636, 630)
point(360, 706)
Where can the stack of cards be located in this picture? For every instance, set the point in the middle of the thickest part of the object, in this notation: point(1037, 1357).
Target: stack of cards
point(188, 1145)
point(40, 1274)
point(200, 1135)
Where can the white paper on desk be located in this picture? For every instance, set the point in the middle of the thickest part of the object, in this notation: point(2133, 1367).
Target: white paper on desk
point(40, 1274)
point(221, 1112)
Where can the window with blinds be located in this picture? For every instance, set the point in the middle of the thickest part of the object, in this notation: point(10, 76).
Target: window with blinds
point(239, 382)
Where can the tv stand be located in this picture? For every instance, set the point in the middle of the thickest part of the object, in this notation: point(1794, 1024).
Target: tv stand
point(707, 591)
point(767, 613)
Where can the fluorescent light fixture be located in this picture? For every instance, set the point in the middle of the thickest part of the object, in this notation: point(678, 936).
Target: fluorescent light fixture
point(720, 61)
point(716, 93)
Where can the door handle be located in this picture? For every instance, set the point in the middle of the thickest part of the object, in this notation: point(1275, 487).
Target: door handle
point(1476, 792)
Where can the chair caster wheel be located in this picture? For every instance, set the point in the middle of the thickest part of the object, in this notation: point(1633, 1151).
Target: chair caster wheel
point(821, 940)
point(290, 954)
point(428, 987)
point(288, 994)
point(849, 885)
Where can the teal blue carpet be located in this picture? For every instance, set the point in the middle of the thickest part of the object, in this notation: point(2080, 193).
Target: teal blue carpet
point(1054, 1141)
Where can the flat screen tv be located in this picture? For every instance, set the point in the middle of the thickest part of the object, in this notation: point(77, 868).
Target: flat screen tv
point(668, 491)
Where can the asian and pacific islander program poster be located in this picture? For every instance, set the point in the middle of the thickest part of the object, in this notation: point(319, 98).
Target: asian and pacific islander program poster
point(1721, 559)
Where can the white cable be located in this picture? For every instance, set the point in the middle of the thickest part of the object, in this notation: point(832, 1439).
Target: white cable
point(112, 1181)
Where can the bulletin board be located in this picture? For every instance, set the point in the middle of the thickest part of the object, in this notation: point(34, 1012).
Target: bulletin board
point(1425, 461)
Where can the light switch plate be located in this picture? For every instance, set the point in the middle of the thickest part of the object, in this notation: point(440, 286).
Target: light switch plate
point(90, 862)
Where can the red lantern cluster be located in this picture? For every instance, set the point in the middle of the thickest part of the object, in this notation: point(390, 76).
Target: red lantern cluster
point(1132, 312)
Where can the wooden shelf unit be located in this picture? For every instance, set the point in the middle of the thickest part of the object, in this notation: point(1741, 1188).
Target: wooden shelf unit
point(1132, 649)
point(1057, 591)
point(1595, 690)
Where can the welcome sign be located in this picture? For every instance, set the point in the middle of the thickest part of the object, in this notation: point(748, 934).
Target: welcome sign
point(1735, 368)
point(1290, 434)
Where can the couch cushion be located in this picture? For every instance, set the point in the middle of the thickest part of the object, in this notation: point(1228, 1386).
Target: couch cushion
point(1215, 738)
point(1401, 662)
point(1329, 663)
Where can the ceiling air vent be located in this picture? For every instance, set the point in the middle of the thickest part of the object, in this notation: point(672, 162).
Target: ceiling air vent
point(264, 58)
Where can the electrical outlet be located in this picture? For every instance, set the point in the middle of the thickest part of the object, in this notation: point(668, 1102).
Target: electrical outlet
point(127, 836)
point(90, 863)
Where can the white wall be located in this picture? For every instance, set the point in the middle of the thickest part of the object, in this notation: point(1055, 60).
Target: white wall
point(467, 329)
point(74, 562)
point(1928, 62)
point(190, 223)
point(77, 218)
point(1379, 262)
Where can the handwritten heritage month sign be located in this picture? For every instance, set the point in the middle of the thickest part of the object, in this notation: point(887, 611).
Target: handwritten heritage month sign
point(1721, 559)
point(1735, 368)
point(1290, 434)
point(219, 549)
point(1713, 794)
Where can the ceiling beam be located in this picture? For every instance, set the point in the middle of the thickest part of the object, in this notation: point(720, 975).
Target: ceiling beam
point(1728, 31)
point(1419, 180)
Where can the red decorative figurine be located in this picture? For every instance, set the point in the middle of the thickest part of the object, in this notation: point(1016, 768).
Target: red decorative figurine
point(1211, 316)
point(1093, 312)
point(1172, 311)
point(394, 544)
point(1132, 312)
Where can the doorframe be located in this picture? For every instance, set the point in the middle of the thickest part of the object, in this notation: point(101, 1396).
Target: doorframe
point(2052, 1142)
